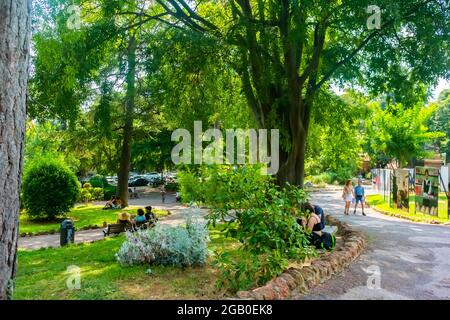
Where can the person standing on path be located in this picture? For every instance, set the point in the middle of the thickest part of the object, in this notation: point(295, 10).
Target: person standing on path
point(348, 196)
point(163, 193)
point(359, 196)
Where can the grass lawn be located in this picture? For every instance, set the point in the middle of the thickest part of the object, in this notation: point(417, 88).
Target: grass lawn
point(378, 202)
point(42, 274)
point(84, 215)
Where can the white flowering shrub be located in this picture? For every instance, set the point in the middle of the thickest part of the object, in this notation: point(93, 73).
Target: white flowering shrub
point(165, 245)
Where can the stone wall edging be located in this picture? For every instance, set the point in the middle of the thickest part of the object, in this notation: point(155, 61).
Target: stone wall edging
point(301, 280)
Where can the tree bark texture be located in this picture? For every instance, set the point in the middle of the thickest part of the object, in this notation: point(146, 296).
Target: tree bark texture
point(15, 30)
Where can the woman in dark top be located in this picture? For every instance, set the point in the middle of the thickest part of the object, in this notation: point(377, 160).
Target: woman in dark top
point(316, 220)
point(314, 225)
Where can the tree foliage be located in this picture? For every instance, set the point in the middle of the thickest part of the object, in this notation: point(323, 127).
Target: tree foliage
point(401, 133)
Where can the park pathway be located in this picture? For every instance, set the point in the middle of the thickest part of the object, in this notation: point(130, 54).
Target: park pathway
point(178, 216)
point(413, 260)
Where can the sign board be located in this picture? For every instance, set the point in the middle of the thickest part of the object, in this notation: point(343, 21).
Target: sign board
point(427, 190)
point(400, 189)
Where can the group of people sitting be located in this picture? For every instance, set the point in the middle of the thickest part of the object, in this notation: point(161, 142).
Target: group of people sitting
point(142, 217)
point(314, 223)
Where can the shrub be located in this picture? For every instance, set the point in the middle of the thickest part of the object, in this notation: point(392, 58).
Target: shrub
point(97, 194)
point(98, 181)
point(165, 245)
point(191, 187)
point(172, 186)
point(264, 221)
point(85, 195)
point(87, 185)
point(270, 236)
point(49, 189)
point(109, 191)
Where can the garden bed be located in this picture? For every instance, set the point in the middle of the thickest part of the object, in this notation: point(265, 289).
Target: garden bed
point(300, 279)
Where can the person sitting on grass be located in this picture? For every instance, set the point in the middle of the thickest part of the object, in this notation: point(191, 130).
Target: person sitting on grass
point(150, 215)
point(109, 204)
point(117, 204)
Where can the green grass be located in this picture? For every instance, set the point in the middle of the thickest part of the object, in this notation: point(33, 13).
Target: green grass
point(86, 215)
point(378, 202)
point(42, 274)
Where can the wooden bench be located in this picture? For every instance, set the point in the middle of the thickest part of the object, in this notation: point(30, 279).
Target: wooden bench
point(116, 228)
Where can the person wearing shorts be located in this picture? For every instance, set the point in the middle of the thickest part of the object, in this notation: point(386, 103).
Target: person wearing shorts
point(359, 197)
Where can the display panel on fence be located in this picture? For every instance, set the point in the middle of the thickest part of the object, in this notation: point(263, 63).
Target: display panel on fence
point(427, 190)
point(400, 189)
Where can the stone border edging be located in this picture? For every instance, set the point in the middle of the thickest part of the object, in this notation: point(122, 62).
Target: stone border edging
point(303, 279)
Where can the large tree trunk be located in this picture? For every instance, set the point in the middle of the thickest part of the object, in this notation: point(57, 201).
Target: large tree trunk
point(125, 160)
point(292, 170)
point(15, 29)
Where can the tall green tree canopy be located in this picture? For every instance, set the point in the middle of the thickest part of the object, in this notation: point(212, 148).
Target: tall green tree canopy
point(401, 133)
point(289, 50)
point(440, 121)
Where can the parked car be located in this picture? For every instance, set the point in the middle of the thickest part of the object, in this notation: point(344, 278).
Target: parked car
point(139, 182)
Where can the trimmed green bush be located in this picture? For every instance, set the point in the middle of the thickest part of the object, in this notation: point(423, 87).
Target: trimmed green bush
point(98, 181)
point(97, 194)
point(49, 189)
point(87, 185)
point(85, 195)
point(108, 192)
point(172, 186)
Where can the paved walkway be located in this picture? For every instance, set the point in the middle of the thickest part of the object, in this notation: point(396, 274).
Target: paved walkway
point(411, 259)
point(178, 216)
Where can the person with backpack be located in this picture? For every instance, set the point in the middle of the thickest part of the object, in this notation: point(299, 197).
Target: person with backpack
point(359, 197)
point(314, 225)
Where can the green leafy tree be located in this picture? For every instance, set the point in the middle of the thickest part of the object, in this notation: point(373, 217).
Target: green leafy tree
point(336, 136)
point(401, 133)
point(440, 121)
point(286, 52)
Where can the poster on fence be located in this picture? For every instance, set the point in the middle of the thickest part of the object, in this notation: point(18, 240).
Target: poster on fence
point(447, 189)
point(427, 190)
point(400, 189)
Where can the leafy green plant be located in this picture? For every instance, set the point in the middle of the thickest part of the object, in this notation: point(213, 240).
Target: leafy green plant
point(262, 217)
point(49, 189)
point(97, 193)
point(87, 185)
point(98, 181)
point(109, 191)
point(85, 195)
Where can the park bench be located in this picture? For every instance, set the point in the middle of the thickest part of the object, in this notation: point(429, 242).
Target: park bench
point(116, 228)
